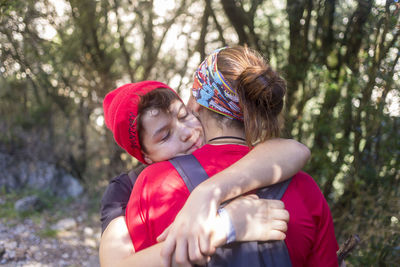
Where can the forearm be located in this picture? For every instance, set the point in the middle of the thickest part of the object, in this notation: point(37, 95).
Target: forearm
point(146, 257)
point(116, 248)
point(270, 162)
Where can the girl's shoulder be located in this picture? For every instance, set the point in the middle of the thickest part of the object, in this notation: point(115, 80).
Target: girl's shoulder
point(306, 186)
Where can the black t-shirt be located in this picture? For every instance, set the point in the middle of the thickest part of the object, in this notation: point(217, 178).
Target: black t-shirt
point(116, 196)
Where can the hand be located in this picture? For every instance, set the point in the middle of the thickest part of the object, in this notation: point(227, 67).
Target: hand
point(258, 219)
point(190, 234)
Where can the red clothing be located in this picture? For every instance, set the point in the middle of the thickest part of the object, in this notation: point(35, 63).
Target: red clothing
point(160, 193)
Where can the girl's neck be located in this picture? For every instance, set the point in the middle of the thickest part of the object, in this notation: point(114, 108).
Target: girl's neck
point(226, 139)
point(217, 133)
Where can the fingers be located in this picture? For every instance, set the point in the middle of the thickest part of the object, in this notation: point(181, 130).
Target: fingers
point(273, 203)
point(187, 252)
point(275, 209)
point(163, 235)
point(276, 235)
point(283, 215)
point(279, 214)
point(251, 196)
point(194, 250)
point(167, 250)
point(181, 253)
point(205, 246)
point(279, 225)
point(195, 255)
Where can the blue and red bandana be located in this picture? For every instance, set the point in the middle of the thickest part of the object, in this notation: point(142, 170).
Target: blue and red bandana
point(212, 91)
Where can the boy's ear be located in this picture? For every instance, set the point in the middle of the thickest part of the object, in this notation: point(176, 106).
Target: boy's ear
point(147, 159)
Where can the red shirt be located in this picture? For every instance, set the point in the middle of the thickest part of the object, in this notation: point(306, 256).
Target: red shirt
point(159, 194)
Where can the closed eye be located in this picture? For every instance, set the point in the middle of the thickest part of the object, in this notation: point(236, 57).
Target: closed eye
point(166, 136)
point(184, 116)
point(183, 113)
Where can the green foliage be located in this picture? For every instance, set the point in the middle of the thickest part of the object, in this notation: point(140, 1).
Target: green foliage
point(36, 116)
point(47, 233)
point(7, 208)
point(8, 212)
point(7, 6)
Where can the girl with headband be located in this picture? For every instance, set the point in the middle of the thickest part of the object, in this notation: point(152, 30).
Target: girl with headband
point(237, 89)
point(239, 99)
point(123, 108)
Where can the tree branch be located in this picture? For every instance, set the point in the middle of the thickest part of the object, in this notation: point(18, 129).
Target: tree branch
point(356, 33)
point(217, 25)
point(237, 19)
point(125, 53)
point(201, 44)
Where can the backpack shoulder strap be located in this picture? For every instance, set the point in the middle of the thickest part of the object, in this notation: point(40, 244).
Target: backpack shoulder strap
point(272, 253)
point(274, 191)
point(190, 170)
point(134, 173)
point(132, 176)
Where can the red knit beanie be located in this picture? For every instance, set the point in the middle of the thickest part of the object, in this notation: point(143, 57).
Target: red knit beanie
point(120, 112)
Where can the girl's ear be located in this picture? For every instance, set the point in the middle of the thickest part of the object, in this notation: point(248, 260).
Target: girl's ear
point(147, 159)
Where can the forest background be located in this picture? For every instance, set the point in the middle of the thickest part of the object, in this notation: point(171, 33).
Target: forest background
point(340, 58)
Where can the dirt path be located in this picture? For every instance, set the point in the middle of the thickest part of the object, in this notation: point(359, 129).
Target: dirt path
point(70, 240)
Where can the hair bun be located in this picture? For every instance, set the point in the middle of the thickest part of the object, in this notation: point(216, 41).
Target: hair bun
point(260, 90)
point(263, 87)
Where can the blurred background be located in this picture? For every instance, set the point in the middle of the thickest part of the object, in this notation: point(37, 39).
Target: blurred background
point(58, 59)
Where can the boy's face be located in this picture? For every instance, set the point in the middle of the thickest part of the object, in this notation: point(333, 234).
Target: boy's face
point(167, 135)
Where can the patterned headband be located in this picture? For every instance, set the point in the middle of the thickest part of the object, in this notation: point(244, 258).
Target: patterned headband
point(212, 91)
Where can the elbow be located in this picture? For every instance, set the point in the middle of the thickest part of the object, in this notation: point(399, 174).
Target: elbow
point(305, 152)
point(301, 151)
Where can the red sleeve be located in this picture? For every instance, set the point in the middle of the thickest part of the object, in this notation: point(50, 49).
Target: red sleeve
point(325, 245)
point(323, 252)
point(157, 197)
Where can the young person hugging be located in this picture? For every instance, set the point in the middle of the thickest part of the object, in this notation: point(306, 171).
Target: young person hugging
point(239, 99)
point(167, 130)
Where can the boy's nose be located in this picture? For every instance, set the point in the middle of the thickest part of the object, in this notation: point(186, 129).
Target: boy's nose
point(186, 133)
